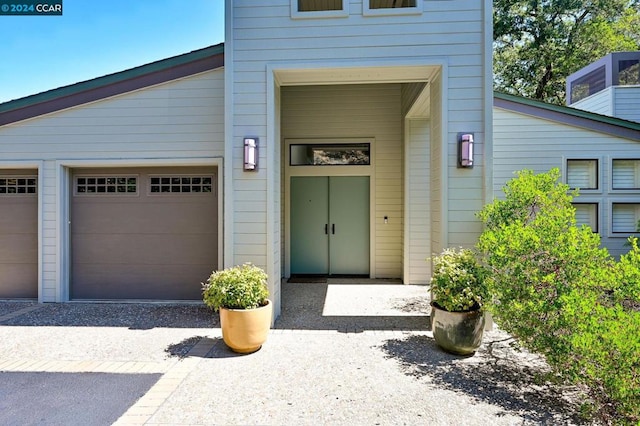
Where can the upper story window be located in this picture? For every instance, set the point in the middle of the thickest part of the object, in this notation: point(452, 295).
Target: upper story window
point(582, 174)
point(391, 7)
point(319, 8)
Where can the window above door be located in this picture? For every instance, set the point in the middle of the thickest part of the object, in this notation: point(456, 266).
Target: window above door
point(330, 154)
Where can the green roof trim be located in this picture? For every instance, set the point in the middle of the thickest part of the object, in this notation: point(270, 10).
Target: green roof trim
point(573, 112)
point(111, 79)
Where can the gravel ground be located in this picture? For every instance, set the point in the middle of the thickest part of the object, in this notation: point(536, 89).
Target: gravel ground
point(326, 362)
point(13, 306)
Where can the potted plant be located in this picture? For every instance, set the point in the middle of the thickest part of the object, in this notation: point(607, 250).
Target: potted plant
point(458, 290)
point(241, 294)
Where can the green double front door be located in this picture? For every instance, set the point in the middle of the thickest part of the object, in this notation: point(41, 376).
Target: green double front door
point(330, 225)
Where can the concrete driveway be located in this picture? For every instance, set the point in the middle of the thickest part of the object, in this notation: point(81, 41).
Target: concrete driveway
point(342, 352)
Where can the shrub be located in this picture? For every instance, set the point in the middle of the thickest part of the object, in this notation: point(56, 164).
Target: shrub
point(458, 281)
point(239, 287)
point(561, 295)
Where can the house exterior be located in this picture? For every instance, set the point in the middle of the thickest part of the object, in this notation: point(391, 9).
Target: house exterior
point(136, 185)
point(597, 154)
point(609, 86)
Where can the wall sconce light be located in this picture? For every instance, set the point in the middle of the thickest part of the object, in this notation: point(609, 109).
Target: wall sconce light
point(465, 150)
point(250, 154)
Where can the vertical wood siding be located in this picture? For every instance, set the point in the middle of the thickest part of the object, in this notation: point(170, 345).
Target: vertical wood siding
point(178, 119)
point(418, 215)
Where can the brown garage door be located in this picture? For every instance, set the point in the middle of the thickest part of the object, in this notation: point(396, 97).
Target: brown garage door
point(18, 234)
point(143, 233)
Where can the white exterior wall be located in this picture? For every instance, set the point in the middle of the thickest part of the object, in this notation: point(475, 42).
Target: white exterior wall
point(542, 145)
point(599, 103)
point(627, 103)
point(418, 211)
point(172, 122)
point(262, 36)
point(614, 101)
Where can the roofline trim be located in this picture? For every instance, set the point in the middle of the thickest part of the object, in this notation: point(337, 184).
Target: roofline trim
point(567, 115)
point(110, 85)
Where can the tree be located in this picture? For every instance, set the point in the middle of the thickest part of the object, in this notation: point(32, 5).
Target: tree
point(538, 43)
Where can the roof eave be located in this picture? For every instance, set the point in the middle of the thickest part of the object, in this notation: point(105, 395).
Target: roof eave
point(113, 84)
point(567, 115)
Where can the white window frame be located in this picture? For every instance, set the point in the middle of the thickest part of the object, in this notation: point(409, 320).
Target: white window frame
point(342, 13)
point(392, 11)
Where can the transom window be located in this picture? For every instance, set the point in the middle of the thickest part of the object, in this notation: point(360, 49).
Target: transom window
point(582, 174)
point(106, 185)
point(180, 184)
point(330, 155)
point(18, 185)
point(319, 9)
point(391, 7)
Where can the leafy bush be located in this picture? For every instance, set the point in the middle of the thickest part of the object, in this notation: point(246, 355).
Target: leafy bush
point(458, 283)
point(561, 295)
point(239, 287)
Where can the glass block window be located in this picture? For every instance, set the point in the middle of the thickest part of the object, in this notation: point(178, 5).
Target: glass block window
point(111, 185)
point(330, 155)
point(587, 214)
point(18, 185)
point(582, 174)
point(625, 174)
point(624, 217)
point(180, 184)
point(319, 5)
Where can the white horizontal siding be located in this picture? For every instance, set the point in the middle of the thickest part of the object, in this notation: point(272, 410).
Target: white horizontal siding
point(263, 34)
point(600, 103)
point(182, 118)
point(542, 144)
point(179, 119)
point(627, 102)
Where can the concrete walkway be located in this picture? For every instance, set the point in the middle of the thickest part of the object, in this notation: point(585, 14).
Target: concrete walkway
point(356, 353)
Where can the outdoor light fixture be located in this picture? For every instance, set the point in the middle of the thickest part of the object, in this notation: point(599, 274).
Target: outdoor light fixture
point(465, 150)
point(250, 154)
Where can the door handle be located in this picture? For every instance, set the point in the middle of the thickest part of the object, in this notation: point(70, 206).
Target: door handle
point(326, 228)
point(333, 228)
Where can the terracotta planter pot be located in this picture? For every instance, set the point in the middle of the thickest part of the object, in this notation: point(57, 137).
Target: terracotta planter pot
point(459, 333)
point(245, 330)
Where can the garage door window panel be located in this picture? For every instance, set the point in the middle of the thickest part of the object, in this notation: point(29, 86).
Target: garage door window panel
point(159, 185)
point(106, 185)
point(18, 185)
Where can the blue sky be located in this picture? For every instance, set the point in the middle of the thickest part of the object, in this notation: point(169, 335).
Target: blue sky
point(98, 37)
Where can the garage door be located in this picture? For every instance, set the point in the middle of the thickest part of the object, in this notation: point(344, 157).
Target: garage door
point(18, 234)
point(143, 233)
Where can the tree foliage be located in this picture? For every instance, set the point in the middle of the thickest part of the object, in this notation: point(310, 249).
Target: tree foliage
point(563, 296)
point(538, 43)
